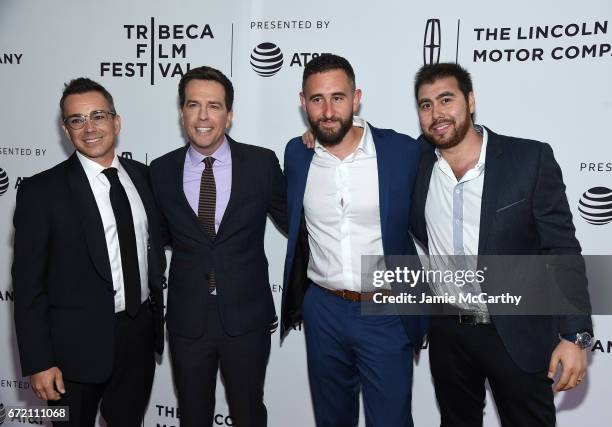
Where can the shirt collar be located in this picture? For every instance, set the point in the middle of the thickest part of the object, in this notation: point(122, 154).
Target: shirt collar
point(366, 144)
point(222, 155)
point(483, 149)
point(94, 169)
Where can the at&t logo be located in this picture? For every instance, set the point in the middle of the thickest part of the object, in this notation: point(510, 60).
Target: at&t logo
point(595, 206)
point(2, 414)
point(266, 59)
point(4, 182)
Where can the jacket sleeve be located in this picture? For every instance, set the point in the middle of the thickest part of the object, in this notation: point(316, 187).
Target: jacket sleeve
point(166, 239)
point(30, 259)
point(278, 202)
point(557, 238)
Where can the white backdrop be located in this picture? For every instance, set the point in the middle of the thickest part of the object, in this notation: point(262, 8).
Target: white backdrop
point(536, 87)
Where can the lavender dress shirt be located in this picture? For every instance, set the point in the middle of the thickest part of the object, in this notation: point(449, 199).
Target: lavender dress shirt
point(222, 169)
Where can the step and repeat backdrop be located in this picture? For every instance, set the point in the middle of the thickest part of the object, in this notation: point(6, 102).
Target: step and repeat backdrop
point(541, 70)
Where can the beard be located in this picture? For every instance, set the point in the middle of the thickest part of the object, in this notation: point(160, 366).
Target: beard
point(452, 138)
point(330, 137)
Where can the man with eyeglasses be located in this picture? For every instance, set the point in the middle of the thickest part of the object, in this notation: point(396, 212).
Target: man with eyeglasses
point(87, 271)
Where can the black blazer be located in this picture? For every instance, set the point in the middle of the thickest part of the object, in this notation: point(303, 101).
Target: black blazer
point(64, 299)
point(236, 255)
point(524, 211)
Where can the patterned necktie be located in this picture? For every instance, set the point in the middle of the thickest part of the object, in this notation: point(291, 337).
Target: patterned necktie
point(127, 242)
point(208, 198)
point(206, 210)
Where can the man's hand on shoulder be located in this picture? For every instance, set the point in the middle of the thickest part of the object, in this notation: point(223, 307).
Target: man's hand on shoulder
point(573, 361)
point(308, 139)
point(47, 384)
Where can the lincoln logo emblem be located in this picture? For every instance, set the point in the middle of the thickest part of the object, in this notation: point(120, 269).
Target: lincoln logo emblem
point(431, 42)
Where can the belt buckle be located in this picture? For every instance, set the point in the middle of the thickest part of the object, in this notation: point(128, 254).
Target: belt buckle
point(351, 296)
point(467, 319)
point(473, 319)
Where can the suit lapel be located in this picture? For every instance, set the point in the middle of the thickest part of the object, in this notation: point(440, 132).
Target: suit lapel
point(492, 183)
point(91, 221)
point(142, 187)
point(384, 158)
point(297, 201)
point(421, 188)
point(239, 182)
point(180, 167)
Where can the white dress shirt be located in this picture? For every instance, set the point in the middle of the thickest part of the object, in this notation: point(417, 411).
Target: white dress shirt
point(452, 215)
point(342, 211)
point(101, 188)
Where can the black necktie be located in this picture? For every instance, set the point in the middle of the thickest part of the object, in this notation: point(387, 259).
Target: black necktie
point(206, 208)
point(127, 242)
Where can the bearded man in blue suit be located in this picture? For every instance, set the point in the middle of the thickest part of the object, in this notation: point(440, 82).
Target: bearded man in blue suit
point(347, 198)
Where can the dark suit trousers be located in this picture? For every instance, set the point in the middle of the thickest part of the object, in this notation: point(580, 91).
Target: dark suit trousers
point(462, 357)
point(243, 361)
point(348, 351)
point(126, 394)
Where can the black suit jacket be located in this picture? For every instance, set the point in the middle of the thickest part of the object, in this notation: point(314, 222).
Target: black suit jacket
point(64, 298)
point(237, 254)
point(524, 211)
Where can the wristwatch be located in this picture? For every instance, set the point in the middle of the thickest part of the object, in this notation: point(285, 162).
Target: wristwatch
point(581, 339)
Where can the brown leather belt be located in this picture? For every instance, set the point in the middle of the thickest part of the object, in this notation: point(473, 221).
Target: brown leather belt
point(353, 296)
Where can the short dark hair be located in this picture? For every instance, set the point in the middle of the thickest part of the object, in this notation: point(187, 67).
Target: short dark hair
point(84, 85)
point(429, 73)
point(328, 62)
point(207, 73)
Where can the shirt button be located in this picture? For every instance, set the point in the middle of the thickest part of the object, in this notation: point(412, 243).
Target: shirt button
point(457, 191)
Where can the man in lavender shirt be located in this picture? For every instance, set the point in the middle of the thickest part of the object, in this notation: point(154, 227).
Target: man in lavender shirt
point(215, 195)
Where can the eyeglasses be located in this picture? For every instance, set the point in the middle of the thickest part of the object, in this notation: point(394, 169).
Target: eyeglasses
point(98, 117)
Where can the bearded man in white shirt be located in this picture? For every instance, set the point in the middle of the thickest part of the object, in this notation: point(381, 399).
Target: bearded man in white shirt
point(348, 197)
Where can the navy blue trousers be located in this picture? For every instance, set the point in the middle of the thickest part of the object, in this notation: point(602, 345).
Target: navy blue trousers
point(348, 351)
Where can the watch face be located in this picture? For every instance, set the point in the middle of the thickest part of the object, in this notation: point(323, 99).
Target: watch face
point(584, 339)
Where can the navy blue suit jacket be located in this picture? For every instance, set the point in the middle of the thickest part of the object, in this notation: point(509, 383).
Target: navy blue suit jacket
point(397, 158)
